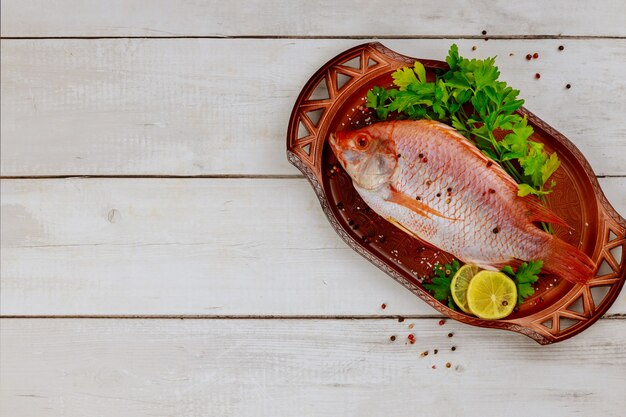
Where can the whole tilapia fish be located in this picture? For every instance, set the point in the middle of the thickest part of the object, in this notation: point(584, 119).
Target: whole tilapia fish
point(427, 179)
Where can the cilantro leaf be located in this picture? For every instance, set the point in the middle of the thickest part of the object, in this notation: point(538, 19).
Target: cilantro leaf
point(551, 165)
point(526, 275)
point(453, 57)
point(440, 286)
point(403, 77)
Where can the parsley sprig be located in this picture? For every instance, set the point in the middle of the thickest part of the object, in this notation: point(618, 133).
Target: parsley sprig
point(469, 97)
point(440, 286)
point(525, 276)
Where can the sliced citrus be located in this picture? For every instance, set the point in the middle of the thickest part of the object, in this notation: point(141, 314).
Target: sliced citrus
point(459, 285)
point(491, 295)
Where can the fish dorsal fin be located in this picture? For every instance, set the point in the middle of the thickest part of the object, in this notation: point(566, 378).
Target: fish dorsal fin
point(418, 207)
point(463, 141)
point(537, 212)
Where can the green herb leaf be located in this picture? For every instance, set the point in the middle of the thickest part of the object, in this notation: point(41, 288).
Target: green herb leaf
point(551, 165)
point(440, 286)
point(526, 275)
point(419, 69)
point(403, 77)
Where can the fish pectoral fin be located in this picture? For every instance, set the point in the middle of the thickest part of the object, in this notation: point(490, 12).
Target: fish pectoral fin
point(414, 205)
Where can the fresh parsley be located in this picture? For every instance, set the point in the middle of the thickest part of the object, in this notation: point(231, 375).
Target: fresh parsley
point(469, 97)
point(525, 276)
point(440, 286)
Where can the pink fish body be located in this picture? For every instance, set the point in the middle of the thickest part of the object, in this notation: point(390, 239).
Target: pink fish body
point(427, 179)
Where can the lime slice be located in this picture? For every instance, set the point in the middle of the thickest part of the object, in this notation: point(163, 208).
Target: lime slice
point(460, 283)
point(491, 295)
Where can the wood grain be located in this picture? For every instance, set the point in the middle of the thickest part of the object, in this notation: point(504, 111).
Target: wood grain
point(53, 18)
point(216, 106)
point(274, 368)
point(189, 246)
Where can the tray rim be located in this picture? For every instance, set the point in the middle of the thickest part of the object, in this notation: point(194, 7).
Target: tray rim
point(606, 211)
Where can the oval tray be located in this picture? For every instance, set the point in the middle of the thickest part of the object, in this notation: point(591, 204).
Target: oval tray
point(333, 100)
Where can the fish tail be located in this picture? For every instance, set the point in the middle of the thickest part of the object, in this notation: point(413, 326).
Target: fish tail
point(568, 262)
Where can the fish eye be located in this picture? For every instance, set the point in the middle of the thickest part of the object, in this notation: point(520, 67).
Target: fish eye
point(361, 142)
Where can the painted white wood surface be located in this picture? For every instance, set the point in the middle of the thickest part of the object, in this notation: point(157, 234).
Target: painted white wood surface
point(189, 246)
point(229, 247)
point(451, 18)
point(221, 106)
point(347, 368)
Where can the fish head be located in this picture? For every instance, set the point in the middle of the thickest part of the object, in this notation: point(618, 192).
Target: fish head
point(367, 156)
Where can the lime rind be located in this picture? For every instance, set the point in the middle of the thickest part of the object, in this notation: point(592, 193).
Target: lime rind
point(459, 285)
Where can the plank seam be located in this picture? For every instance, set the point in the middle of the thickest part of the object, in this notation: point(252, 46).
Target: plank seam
point(206, 176)
point(305, 37)
point(156, 176)
point(616, 316)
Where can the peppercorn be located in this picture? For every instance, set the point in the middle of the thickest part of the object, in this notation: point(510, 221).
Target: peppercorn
point(392, 338)
point(453, 348)
point(535, 55)
point(448, 364)
point(383, 306)
point(474, 48)
point(400, 319)
point(450, 334)
point(496, 229)
point(529, 57)
point(435, 351)
point(484, 32)
point(561, 47)
point(442, 322)
point(568, 86)
point(489, 163)
point(537, 75)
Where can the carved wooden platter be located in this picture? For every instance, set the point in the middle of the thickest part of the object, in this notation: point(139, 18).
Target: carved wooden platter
point(334, 98)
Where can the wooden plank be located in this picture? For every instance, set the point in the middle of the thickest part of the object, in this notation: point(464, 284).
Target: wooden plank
point(40, 18)
point(194, 246)
point(212, 107)
point(276, 368)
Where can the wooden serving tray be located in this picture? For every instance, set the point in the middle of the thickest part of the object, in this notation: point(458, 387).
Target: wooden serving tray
point(333, 99)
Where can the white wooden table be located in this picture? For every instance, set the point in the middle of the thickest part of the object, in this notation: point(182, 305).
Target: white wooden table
point(160, 257)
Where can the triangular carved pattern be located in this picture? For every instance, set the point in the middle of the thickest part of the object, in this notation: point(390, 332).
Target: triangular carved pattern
point(558, 318)
point(369, 60)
